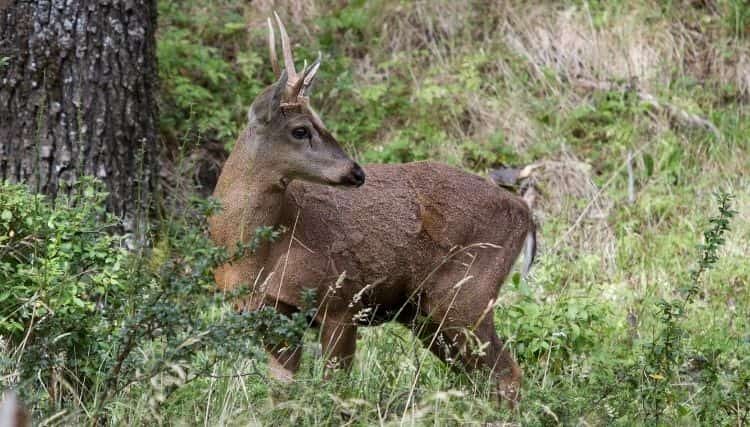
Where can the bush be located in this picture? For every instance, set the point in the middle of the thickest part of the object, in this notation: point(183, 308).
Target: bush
point(59, 267)
point(557, 330)
point(86, 321)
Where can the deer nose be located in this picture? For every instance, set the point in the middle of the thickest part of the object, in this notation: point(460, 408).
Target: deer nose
point(356, 176)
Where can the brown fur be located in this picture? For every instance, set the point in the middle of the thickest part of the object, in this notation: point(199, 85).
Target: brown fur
point(422, 243)
point(400, 241)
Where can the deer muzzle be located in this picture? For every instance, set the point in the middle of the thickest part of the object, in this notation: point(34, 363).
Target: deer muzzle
point(355, 177)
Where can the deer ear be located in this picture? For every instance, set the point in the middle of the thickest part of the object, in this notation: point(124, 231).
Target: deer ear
point(278, 93)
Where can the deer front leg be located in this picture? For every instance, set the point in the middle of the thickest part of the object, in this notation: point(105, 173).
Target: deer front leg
point(284, 358)
point(338, 339)
point(283, 363)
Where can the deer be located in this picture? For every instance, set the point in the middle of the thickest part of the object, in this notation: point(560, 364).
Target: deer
point(422, 243)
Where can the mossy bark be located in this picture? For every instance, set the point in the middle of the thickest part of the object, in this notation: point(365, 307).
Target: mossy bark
point(78, 84)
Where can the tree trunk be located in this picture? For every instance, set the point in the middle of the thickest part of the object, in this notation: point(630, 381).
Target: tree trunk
point(78, 81)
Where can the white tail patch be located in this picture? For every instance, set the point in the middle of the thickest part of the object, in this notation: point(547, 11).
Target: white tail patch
point(529, 252)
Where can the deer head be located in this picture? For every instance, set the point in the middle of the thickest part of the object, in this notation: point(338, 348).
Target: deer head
point(291, 140)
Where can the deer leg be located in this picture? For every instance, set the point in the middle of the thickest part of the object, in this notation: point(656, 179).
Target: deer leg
point(440, 343)
point(339, 341)
point(283, 363)
point(470, 351)
point(284, 359)
point(505, 371)
point(461, 329)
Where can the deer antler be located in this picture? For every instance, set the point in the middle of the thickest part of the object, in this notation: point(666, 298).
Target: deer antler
point(286, 50)
point(272, 49)
point(296, 83)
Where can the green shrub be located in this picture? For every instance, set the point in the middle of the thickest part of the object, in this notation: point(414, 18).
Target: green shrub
point(59, 267)
point(559, 329)
point(87, 321)
point(668, 351)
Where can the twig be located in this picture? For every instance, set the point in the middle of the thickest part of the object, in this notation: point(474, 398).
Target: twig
point(596, 198)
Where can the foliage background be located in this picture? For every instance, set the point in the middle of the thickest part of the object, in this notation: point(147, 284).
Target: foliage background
point(605, 329)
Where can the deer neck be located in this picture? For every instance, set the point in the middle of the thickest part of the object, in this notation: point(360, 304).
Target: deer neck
point(251, 196)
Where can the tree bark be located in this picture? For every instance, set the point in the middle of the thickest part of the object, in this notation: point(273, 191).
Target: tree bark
point(78, 97)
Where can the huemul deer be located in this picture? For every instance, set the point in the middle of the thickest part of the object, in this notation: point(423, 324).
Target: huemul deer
point(421, 243)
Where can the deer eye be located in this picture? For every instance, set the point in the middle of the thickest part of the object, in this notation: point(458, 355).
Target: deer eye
point(301, 133)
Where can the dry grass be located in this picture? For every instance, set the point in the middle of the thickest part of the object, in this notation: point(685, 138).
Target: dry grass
point(569, 195)
point(569, 42)
point(297, 11)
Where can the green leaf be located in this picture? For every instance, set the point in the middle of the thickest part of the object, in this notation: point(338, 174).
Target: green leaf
point(673, 161)
point(516, 279)
point(6, 215)
point(648, 162)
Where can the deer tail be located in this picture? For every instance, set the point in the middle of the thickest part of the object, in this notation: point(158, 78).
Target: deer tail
point(529, 251)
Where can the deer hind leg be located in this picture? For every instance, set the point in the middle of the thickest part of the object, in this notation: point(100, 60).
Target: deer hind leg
point(480, 348)
point(460, 305)
point(466, 350)
point(283, 364)
point(438, 340)
point(504, 370)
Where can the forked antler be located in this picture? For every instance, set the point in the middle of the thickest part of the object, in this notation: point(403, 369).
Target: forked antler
point(296, 83)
